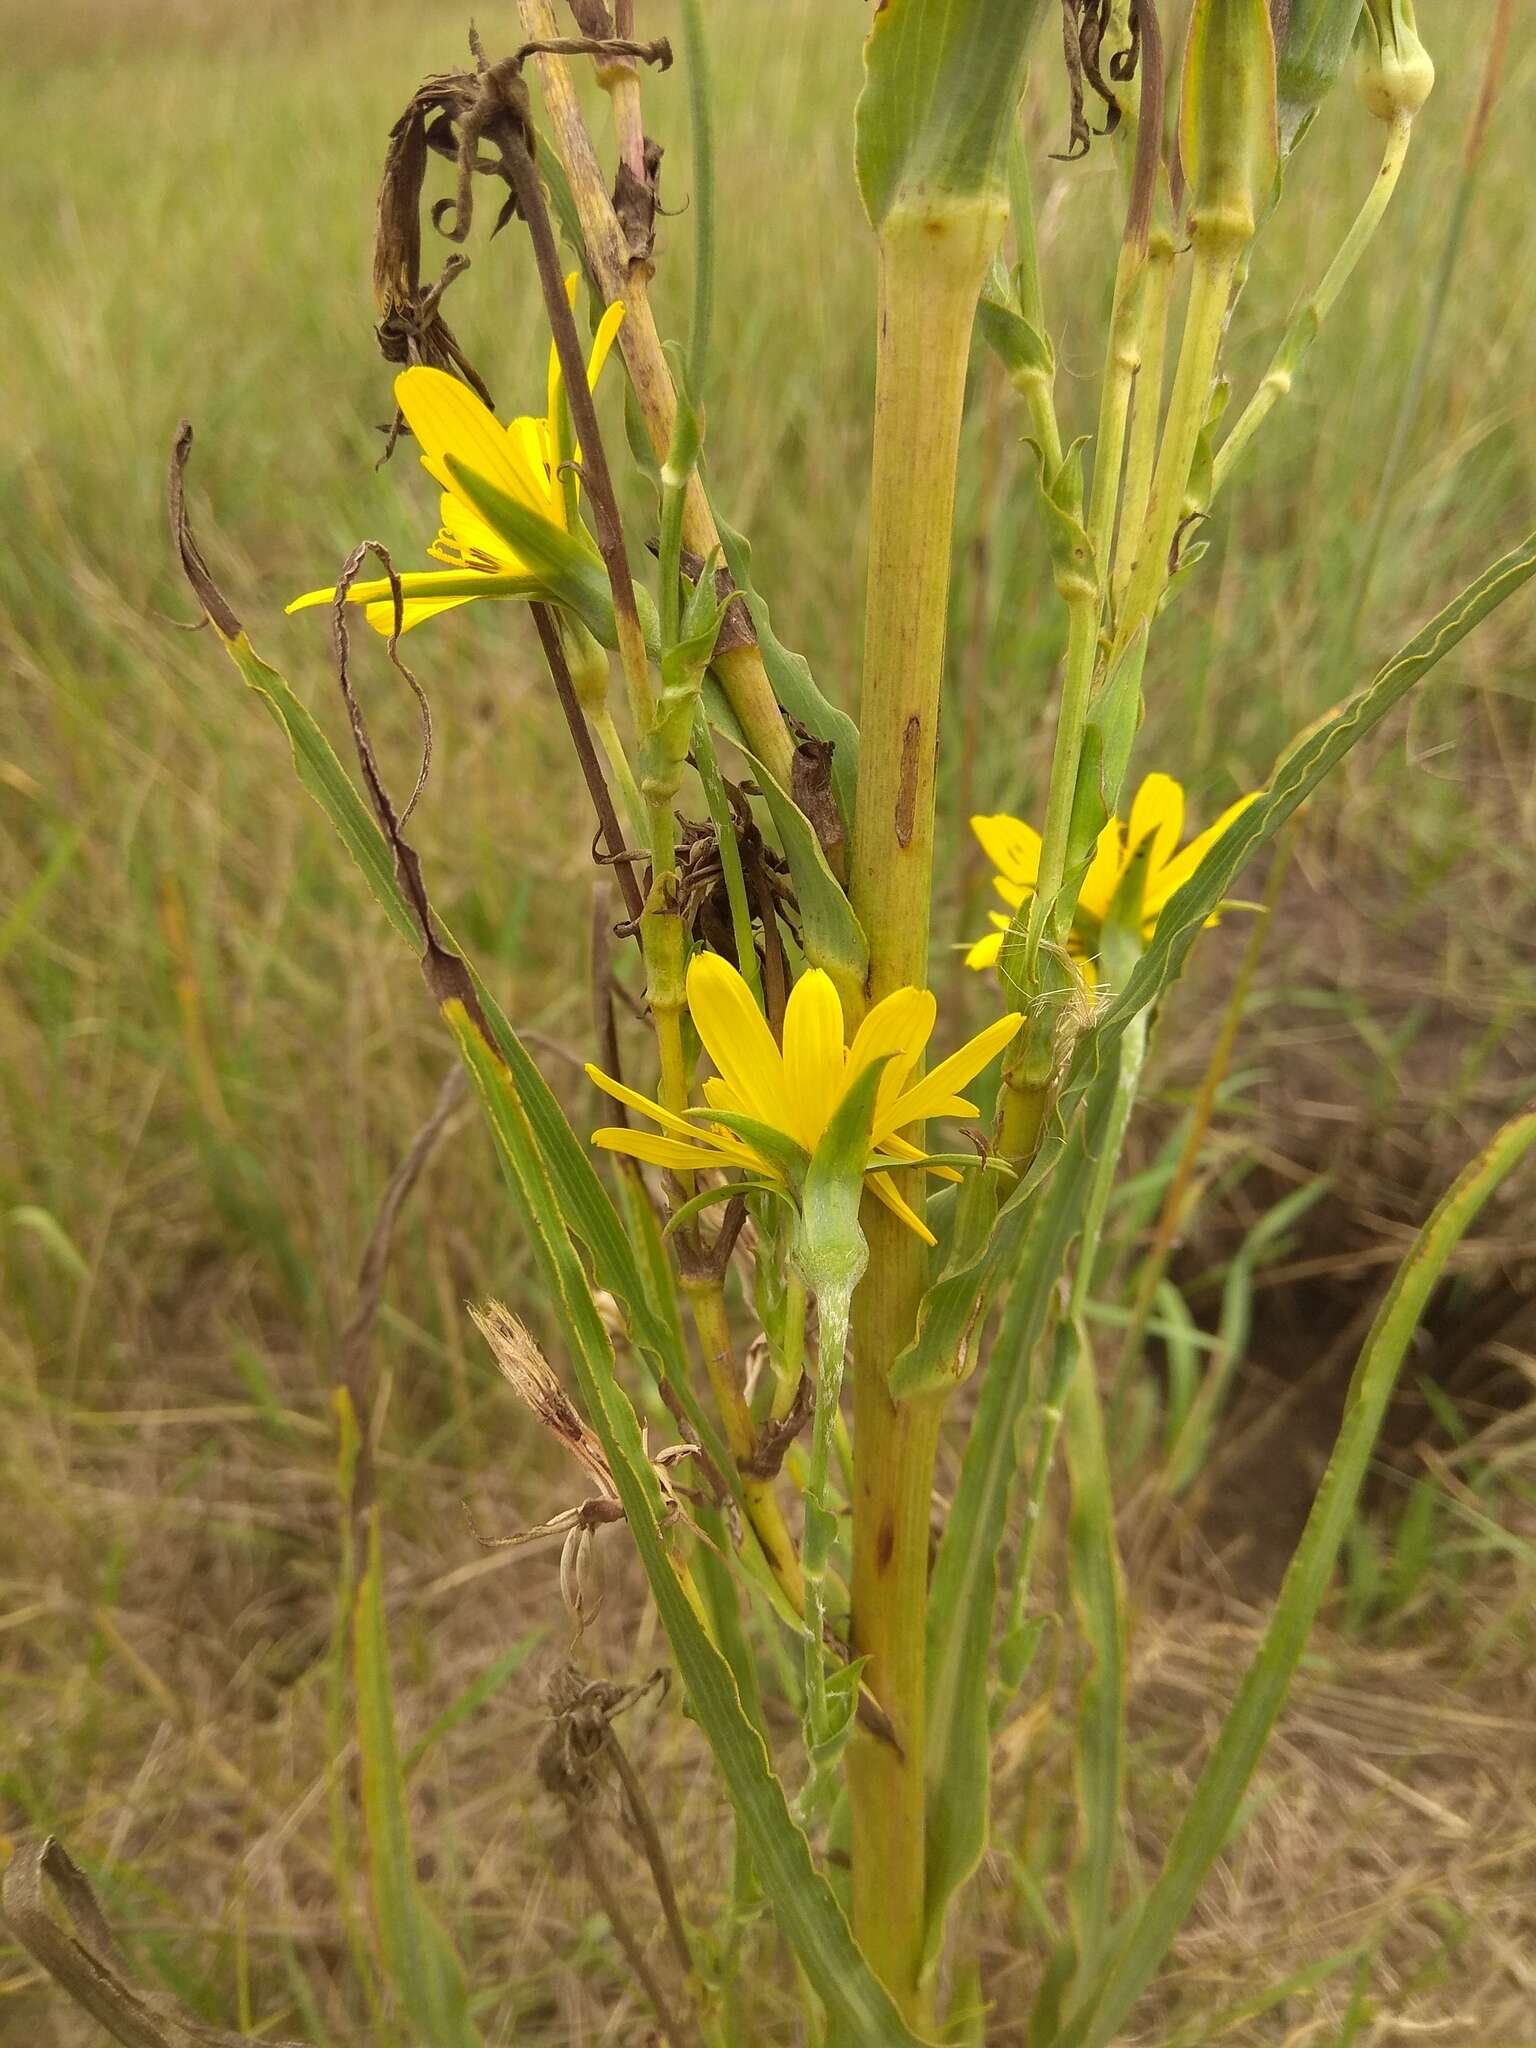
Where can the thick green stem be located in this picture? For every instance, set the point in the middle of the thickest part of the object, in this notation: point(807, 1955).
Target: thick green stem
point(1308, 318)
point(931, 266)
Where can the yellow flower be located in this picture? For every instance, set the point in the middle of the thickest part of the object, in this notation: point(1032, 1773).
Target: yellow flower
point(795, 1092)
point(524, 460)
point(1157, 813)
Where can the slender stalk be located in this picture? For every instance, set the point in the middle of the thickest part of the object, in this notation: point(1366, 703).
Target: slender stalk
point(1141, 455)
point(594, 460)
point(597, 789)
point(706, 1300)
point(612, 745)
point(930, 273)
point(1308, 318)
point(1036, 387)
point(1122, 362)
point(820, 1521)
point(740, 669)
point(701, 134)
point(730, 853)
point(1204, 320)
point(1429, 332)
point(1028, 1071)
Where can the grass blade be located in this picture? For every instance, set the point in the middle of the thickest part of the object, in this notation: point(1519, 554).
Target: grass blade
point(418, 1958)
point(963, 1596)
point(1104, 2005)
point(807, 1912)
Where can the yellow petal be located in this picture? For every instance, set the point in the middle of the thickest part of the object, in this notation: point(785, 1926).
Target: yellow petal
point(464, 524)
point(532, 447)
point(658, 1151)
point(602, 342)
point(738, 1040)
point(1183, 865)
point(1157, 813)
point(1014, 894)
point(985, 951)
point(377, 594)
point(448, 419)
point(813, 1054)
point(633, 1099)
point(1104, 872)
point(1012, 846)
point(932, 1093)
point(885, 1188)
point(896, 1029)
point(415, 611)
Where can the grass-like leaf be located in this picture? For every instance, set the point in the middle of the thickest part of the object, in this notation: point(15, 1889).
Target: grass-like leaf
point(419, 1960)
point(1104, 2002)
point(808, 1914)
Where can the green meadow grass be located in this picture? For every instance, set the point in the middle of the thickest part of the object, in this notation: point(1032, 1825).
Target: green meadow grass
point(213, 1053)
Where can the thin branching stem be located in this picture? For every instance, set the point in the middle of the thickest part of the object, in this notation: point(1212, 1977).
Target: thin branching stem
point(1307, 320)
point(591, 768)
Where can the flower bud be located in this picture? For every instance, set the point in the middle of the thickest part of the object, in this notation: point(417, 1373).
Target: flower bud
point(1312, 39)
point(587, 662)
point(1395, 75)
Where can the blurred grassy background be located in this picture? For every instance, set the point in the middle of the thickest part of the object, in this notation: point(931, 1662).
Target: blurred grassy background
point(213, 1054)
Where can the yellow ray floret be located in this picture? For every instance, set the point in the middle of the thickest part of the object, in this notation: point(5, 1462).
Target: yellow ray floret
point(1157, 816)
point(523, 460)
point(796, 1091)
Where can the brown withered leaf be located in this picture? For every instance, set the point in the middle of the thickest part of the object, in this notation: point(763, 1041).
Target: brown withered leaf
point(208, 594)
point(84, 1960)
point(635, 202)
point(536, 1384)
point(1084, 25)
point(810, 785)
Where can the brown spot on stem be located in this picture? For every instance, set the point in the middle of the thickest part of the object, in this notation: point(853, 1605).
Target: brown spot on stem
point(885, 1545)
point(906, 795)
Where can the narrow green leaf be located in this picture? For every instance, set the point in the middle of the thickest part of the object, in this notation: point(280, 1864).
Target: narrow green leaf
point(584, 1202)
point(807, 1912)
point(790, 674)
point(1105, 2004)
point(1098, 1599)
point(484, 1686)
point(963, 1598)
point(418, 1958)
point(1299, 773)
point(327, 781)
point(952, 1295)
point(834, 938)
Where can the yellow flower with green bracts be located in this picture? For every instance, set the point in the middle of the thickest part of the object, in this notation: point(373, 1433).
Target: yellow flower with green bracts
point(1157, 813)
point(786, 1099)
point(532, 461)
